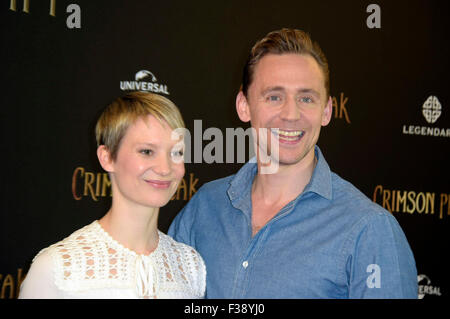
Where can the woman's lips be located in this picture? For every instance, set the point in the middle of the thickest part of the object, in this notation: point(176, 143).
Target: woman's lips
point(158, 184)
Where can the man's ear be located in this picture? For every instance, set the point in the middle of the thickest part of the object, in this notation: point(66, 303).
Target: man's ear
point(327, 112)
point(104, 157)
point(242, 107)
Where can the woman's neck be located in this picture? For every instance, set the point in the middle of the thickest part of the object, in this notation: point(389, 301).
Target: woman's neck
point(136, 228)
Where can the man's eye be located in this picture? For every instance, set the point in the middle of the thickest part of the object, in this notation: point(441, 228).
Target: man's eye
point(274, 98)
point(306, 99)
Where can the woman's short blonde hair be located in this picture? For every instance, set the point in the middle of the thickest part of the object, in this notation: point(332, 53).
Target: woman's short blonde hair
point(124, 111)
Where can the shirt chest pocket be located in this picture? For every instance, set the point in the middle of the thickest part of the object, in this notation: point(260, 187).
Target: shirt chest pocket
point(314, 275)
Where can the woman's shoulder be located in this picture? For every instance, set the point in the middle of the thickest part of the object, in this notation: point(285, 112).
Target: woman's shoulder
point(185, 260)
point(79, 257)
point(75, 240)
point(179, 248)
point(42, 279)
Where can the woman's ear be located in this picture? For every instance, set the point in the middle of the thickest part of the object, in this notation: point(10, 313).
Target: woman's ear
point(242, 107)
point(105, 159)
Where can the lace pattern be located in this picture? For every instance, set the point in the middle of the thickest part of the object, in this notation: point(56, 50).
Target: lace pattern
point(91, 259)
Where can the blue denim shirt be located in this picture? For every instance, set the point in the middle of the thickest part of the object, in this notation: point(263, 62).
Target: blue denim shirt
point(329, 242)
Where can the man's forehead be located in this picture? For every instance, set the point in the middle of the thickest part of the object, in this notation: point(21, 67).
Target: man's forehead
point(299, 71)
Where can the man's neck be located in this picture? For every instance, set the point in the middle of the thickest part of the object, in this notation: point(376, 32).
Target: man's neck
point(287, 183)
point(271, 192)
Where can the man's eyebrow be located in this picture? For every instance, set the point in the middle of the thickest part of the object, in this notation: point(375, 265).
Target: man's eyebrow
point(312, 91)
point(280, 89)
point(272, 89)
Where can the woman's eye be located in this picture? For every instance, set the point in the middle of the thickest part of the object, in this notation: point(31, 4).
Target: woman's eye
point(178, 153)
point(146, 152)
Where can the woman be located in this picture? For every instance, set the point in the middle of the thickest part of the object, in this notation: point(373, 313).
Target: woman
point(124, 255)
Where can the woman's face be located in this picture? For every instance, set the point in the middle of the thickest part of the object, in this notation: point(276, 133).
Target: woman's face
point(149, 164)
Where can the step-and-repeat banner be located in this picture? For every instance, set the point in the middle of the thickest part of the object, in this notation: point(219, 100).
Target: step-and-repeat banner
point(62, 61)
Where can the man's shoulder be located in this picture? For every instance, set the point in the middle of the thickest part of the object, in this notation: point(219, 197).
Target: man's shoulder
point(220, 184)
point(358, 203)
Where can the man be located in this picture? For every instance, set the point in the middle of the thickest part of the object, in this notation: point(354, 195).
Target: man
point(301, 232)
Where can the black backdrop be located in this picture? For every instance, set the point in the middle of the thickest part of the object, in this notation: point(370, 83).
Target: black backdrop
point(61, 64)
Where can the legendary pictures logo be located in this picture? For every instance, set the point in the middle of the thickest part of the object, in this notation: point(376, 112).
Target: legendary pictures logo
point(425, 287)
point(144, 81)
point(431, 110)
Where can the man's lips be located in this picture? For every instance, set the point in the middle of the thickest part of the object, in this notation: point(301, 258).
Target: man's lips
point(288, 136)
point(158, 184)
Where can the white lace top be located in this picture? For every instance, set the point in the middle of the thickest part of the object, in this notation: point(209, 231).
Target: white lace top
point(91, 264)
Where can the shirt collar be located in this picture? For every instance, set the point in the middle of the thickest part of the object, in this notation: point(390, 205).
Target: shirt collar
point(320, 182)
point(239, 191)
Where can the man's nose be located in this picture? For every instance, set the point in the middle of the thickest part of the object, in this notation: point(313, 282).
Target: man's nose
point(290, 111)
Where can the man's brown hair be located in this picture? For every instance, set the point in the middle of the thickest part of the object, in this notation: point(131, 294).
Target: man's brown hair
point(281, 42)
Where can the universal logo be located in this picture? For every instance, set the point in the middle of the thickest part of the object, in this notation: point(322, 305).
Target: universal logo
point(144, 81)
point(425, 287)
point(431, 110)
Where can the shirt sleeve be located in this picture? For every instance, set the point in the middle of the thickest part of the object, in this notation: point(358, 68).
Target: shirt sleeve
point(39, 282)
point(181, 227)
point(381, 264)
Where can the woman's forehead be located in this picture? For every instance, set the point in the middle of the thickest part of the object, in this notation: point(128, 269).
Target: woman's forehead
point(150, 130)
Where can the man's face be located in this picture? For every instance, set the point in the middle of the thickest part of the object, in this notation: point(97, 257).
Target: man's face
point(288, 94)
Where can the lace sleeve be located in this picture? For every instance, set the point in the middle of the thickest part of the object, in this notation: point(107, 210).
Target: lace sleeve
point(201, 275)
point(197, 271)
point(39, 282)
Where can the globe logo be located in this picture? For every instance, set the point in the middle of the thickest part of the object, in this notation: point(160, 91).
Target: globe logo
point(431, 109)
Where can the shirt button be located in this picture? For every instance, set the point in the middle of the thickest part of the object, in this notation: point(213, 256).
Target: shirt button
point(245, 264)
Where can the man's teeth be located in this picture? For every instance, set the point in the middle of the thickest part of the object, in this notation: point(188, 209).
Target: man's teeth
point(294, 134)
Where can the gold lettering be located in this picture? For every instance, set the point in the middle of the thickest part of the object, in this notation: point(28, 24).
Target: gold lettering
point(386, 196)
point(411, 196)
point(184, 187)
point(20, 279)
point(377, 188)
point(74, 182)
point(409, 201)
point(97, 184)
point(335, 105)
point(88, 180)
point(420, 209)
point(26, 6)
point(53, 7)
point(192, 183)
point(8, 282)
point(394, 193)
point(343, 109)
point(106, 184)
point(401, 199)
point(430, 202)
point(444, 200)
point(339, 107)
